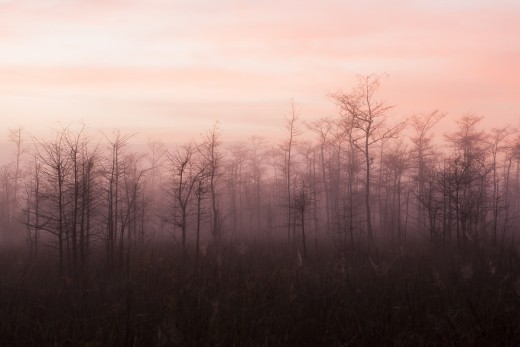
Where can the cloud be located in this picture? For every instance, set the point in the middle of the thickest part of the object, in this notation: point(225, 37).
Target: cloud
point(162, 54)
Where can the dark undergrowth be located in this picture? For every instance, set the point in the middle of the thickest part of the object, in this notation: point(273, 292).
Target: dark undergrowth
point(265, 295)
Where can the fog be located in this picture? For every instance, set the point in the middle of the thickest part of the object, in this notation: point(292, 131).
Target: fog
point(360, 228)
point(259, 173)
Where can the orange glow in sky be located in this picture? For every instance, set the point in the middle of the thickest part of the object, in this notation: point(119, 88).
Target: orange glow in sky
point(170, 69)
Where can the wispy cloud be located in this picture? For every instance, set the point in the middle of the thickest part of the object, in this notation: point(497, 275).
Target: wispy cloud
point(455, 55)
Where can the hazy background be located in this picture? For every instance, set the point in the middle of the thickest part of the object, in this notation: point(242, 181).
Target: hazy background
point(169, 69)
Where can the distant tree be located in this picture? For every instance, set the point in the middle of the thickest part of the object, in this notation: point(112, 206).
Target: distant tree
point(338, 160)
point(368, 117)
point(132, 179)
point(256, 172)
point(308, 174)
point(6, 174)
point(75, 146)
point(153, 194)
point(201, 190)
point(323, 129)
point(10, 177)
point(55, 170)
point(422, 140)
point(185, 175)
point(90, 195)
point(32, 206)
point(236, 183)
point(469, 171)
point(395, 164)
point(497, 140)
point(62, 194)
point(213, 157)
point(423, 157)
point(287, 148)
point(302, 202)
point(511, 188)
point(16, 137)
point(113, 175)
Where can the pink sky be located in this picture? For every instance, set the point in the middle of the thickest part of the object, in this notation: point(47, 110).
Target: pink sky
point(172, 68)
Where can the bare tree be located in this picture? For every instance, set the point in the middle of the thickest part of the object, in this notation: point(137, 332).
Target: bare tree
point(55, 170)
point(302, 202)
point(16, 137)
point(153, 193)
point(287, 148)
point(90, 193)
point(395, 164)
point(422, 139)
point(210, 150)
point(32, 207)
point(308, 178)
point(6, 174)
point(236, 182)
point(509, 194)
point(497, 139)
point(200, 194)
point(185, 175)
point(323, 129)
point(114, 170)
point(338, 157)
point(255, 174)
point(469, 170)
point(132, 186)
point(75, 147)
point(422, 125)
point(367, 117)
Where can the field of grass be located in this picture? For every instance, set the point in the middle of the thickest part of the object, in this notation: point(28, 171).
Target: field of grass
point(263, 294)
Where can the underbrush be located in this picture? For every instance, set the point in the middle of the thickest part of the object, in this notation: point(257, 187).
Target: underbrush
point(264, 294)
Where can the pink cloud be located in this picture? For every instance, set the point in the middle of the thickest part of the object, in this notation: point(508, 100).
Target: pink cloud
point(216, 58)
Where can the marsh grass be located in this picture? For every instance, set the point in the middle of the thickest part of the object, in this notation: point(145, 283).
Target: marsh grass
point(264, 296)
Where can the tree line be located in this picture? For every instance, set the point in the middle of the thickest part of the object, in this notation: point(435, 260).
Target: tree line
point(359, 177)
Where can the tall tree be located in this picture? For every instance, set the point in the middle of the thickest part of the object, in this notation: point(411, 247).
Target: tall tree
point(32, 206)
point(16, 137)
point(153, 194)
point(287, 147)
point(114, 171)
point(55, 170)
point(236, 182)
point(213, 156)
point(255, 174)
point(497, 139)
point(469, 170)
point(128, 212)
point(423, 156)
point(323, 129)
point(185, 176)
point(395, 164)
point(368, 118)
point(302, 202)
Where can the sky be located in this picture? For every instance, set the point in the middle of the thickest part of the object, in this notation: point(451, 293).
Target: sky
point(169, 69)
